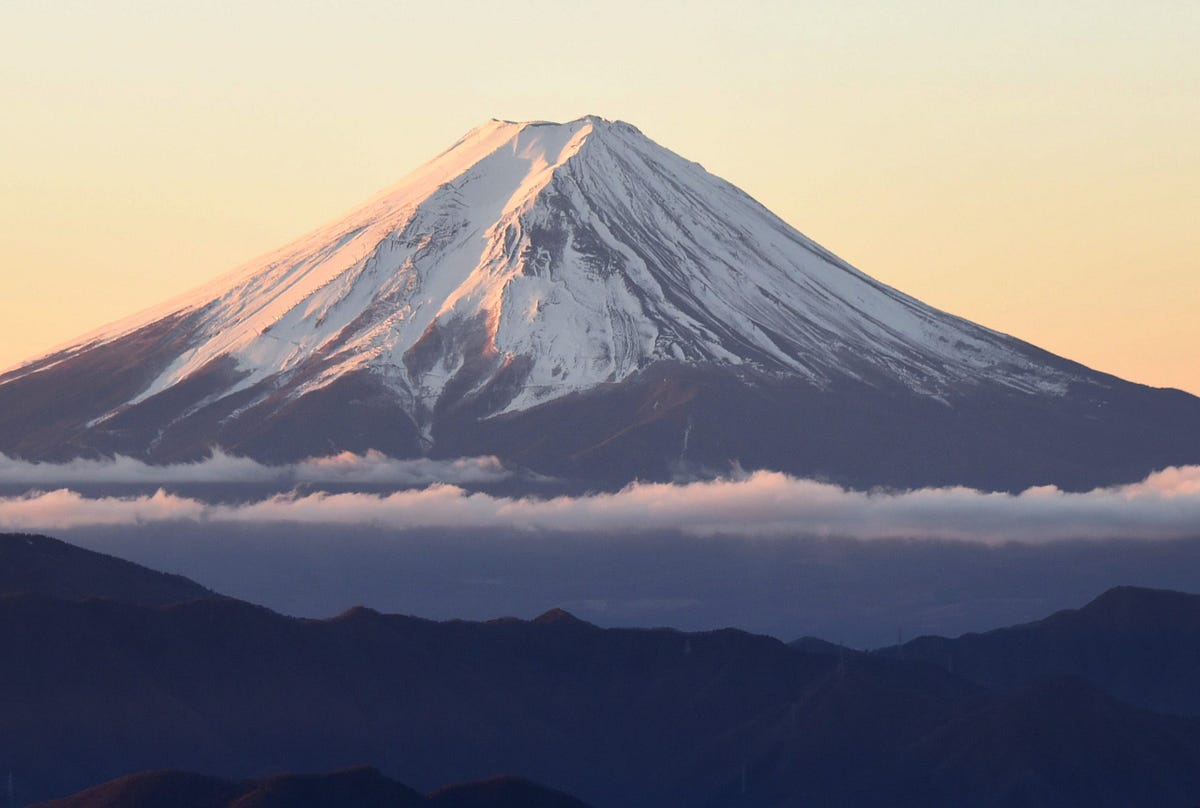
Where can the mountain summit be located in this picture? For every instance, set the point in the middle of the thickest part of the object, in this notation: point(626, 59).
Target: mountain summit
point(576, 298)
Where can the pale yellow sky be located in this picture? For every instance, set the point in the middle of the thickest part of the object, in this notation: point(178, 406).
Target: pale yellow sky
point(1032, 166)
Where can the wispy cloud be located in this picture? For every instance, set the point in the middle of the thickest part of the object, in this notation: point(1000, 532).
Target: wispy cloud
point(372, 468)
point(1164, 505)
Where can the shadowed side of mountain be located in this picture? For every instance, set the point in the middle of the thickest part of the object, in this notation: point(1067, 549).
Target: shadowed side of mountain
point(91, 689)
point(502, 792)
point(1139, 645)
point(223, 686)
point(672, 415)
point(815, 645)
point(156, 789)
point(619, 717)
point(1060, 742)
point(46, 566)
point(362, 787)
point(42, 417)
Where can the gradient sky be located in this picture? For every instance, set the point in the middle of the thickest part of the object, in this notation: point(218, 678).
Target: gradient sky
point(1032, 166)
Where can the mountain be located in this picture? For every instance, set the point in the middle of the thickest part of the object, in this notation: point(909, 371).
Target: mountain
point(361, 787)
point(46, 566)
point(501, 792)
point(1059, 742)
point(887, 742)
point(581, 301)
point(92, 689)
point(1139, 645)
point(171, 789)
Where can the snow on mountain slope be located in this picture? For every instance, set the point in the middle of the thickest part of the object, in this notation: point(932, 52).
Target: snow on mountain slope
point(571, 254)
point(578, 301)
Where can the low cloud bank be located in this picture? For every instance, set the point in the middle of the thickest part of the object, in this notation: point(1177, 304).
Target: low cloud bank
point(347, 468)
point(1163, 506)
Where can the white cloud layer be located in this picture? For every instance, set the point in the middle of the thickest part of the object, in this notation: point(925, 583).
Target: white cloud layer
point(1163, 506)
point(372, 468)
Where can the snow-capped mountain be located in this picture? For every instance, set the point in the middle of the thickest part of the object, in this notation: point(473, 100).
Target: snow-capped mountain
point(518, 279)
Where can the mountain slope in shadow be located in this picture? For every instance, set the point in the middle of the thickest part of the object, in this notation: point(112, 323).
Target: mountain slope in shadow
point(1139, 645)
point(40, 564)
point(361, 787)
point(94, 689)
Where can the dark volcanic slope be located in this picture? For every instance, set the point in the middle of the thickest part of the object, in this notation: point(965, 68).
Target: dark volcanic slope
point(39, 564)
point(1140, 645)
point(706, 418)
point(669, 416)
point(352, 788)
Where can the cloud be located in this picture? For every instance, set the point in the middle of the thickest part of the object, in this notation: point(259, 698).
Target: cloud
point(372, 468)
point(763, 504)
point(1170, 482)
point(63, 508)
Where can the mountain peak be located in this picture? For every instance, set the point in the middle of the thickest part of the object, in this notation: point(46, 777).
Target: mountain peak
point(557, 616)
point(1126, 606)
point(591, 119)
point(539, 263)
point(553, 257)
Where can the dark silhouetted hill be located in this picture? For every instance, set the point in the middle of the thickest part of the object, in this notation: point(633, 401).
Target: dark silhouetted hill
point(361, 787)
point(1139, 645)
point(42, 565)
point(159, 789)
point(501, 792)
point(93, 689)
point(1059, 742)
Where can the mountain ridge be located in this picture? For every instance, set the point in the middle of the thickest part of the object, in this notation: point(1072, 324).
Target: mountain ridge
point(362, 787)
point(1141, 645)
point(618, 716)
point(31, 563)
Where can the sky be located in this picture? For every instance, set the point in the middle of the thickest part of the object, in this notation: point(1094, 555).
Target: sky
point(1031, 166)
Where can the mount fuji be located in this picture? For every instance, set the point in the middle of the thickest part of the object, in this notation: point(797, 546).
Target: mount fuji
point(582, 302)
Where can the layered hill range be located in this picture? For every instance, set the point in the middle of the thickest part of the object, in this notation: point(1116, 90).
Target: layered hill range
point(578, 300)
point(1090, 707)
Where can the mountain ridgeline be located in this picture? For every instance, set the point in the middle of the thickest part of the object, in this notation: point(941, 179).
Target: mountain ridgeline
point(361, 787)
point(582, 302)
point(93, 689)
